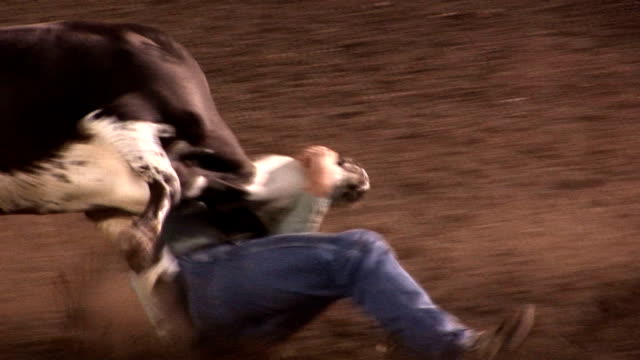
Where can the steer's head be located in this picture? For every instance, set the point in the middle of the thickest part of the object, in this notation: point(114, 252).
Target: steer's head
point(276, 177)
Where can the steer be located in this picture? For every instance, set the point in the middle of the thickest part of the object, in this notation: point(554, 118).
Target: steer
point(98, 117)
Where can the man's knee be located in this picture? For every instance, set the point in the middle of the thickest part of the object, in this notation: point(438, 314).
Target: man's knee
point(366, 239)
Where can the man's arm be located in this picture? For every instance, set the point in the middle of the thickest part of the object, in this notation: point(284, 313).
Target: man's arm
point(306, 215)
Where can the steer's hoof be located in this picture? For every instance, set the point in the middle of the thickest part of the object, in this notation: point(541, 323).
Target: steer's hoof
point(137, 245)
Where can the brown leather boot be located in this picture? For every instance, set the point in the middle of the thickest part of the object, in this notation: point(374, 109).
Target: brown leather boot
point(498, 343)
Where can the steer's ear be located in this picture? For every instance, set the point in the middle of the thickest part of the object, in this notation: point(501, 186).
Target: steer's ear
point(209, 160)
point(200, 157)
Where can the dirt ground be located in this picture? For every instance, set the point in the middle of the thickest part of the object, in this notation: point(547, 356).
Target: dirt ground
point(501, 138)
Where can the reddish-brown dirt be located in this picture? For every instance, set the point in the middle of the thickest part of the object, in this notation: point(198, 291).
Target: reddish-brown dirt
point(501, 138)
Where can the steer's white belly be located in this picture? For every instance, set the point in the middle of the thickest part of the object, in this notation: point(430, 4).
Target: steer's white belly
point(83, 176)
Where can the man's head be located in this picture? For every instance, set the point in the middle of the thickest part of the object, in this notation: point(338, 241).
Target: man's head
point(352, 184)
point(328, 174)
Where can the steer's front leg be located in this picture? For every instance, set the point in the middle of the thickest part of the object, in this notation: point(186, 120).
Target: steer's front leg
point(140, 241)
point(138, 142)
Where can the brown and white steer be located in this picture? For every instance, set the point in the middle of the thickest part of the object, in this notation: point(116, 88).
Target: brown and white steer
point(89, 111)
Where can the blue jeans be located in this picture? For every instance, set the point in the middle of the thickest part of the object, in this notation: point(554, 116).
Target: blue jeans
point(266, 289)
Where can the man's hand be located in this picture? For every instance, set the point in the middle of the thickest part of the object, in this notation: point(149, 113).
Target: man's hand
point(322, 169)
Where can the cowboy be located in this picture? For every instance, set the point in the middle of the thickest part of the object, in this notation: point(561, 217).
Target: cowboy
point(251, 291)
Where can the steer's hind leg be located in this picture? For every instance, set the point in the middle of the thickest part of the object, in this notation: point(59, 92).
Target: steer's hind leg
point(139, 145)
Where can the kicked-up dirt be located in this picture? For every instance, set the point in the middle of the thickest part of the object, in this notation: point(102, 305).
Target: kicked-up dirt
point(501, 138)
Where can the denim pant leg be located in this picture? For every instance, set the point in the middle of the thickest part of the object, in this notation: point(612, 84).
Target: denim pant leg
point(268, 288)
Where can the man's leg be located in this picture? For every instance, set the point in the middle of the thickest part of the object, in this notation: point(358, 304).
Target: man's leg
point(264, 290)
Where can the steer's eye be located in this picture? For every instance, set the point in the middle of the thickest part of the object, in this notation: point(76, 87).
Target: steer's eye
point(341, 161)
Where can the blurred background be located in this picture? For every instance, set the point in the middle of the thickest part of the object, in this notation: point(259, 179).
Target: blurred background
point(501, 138)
